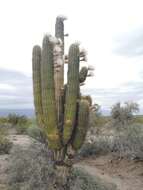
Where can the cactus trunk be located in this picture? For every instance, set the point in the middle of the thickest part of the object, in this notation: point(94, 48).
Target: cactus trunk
point(59, 72)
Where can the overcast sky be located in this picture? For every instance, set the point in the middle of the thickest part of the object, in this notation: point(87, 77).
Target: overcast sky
point(111, 31)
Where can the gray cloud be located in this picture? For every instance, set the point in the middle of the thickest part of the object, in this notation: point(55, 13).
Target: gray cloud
point(18, 93)
point(130, 44)
point(131, 91)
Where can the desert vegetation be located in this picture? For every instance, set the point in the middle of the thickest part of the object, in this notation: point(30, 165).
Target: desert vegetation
point(121, 133)
point(33, 168)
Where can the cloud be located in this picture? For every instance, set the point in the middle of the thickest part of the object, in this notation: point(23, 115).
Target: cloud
point(130, 44)
point(131, 91)
point(16, 92)
point(15, 89)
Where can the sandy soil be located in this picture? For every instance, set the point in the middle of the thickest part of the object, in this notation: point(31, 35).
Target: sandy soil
point(126, 175)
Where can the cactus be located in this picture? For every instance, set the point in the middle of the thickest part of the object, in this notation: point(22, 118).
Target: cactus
point(61, 111)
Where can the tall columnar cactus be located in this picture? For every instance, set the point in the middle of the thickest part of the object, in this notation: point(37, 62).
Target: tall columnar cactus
point(59, 64)
point(60, 109)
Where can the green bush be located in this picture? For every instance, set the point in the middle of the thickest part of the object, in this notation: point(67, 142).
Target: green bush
point(3, 120)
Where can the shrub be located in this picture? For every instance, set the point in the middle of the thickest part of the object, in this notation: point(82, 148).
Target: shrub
point(123, 114)
point(20, 122)
point(21, 129)
point(129, 143)
point(101, 145)
point(3, 120)
point(5, 144)
point(83, 181)
point(30, 168)
point(15, 119)
point(36, 133)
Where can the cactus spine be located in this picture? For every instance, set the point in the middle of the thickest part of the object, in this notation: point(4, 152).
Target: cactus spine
point(60, 109)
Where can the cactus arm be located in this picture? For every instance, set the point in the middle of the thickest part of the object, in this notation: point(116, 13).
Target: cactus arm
point(36, 64)
point(72, 92)
point(48, 94)
point(88, 98)
point(82, 125)
point(83, 74)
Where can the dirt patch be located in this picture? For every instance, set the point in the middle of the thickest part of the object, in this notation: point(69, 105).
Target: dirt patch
point(23, 141)
point(127, 175)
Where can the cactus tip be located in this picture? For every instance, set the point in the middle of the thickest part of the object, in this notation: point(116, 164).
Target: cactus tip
point(61, 17)
point(36, 49)
point(77, 43)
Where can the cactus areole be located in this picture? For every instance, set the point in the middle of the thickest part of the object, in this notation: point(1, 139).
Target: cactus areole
point(60, 110)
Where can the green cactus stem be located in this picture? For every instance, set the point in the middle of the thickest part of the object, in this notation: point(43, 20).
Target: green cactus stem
point(36, 65)
point(48, 94)
point(82, 125)
point(72, 92)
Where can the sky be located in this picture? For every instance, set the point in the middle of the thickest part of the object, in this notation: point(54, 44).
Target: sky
point(111, 31)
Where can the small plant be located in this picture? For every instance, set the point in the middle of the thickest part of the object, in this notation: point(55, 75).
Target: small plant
point(3, 120)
